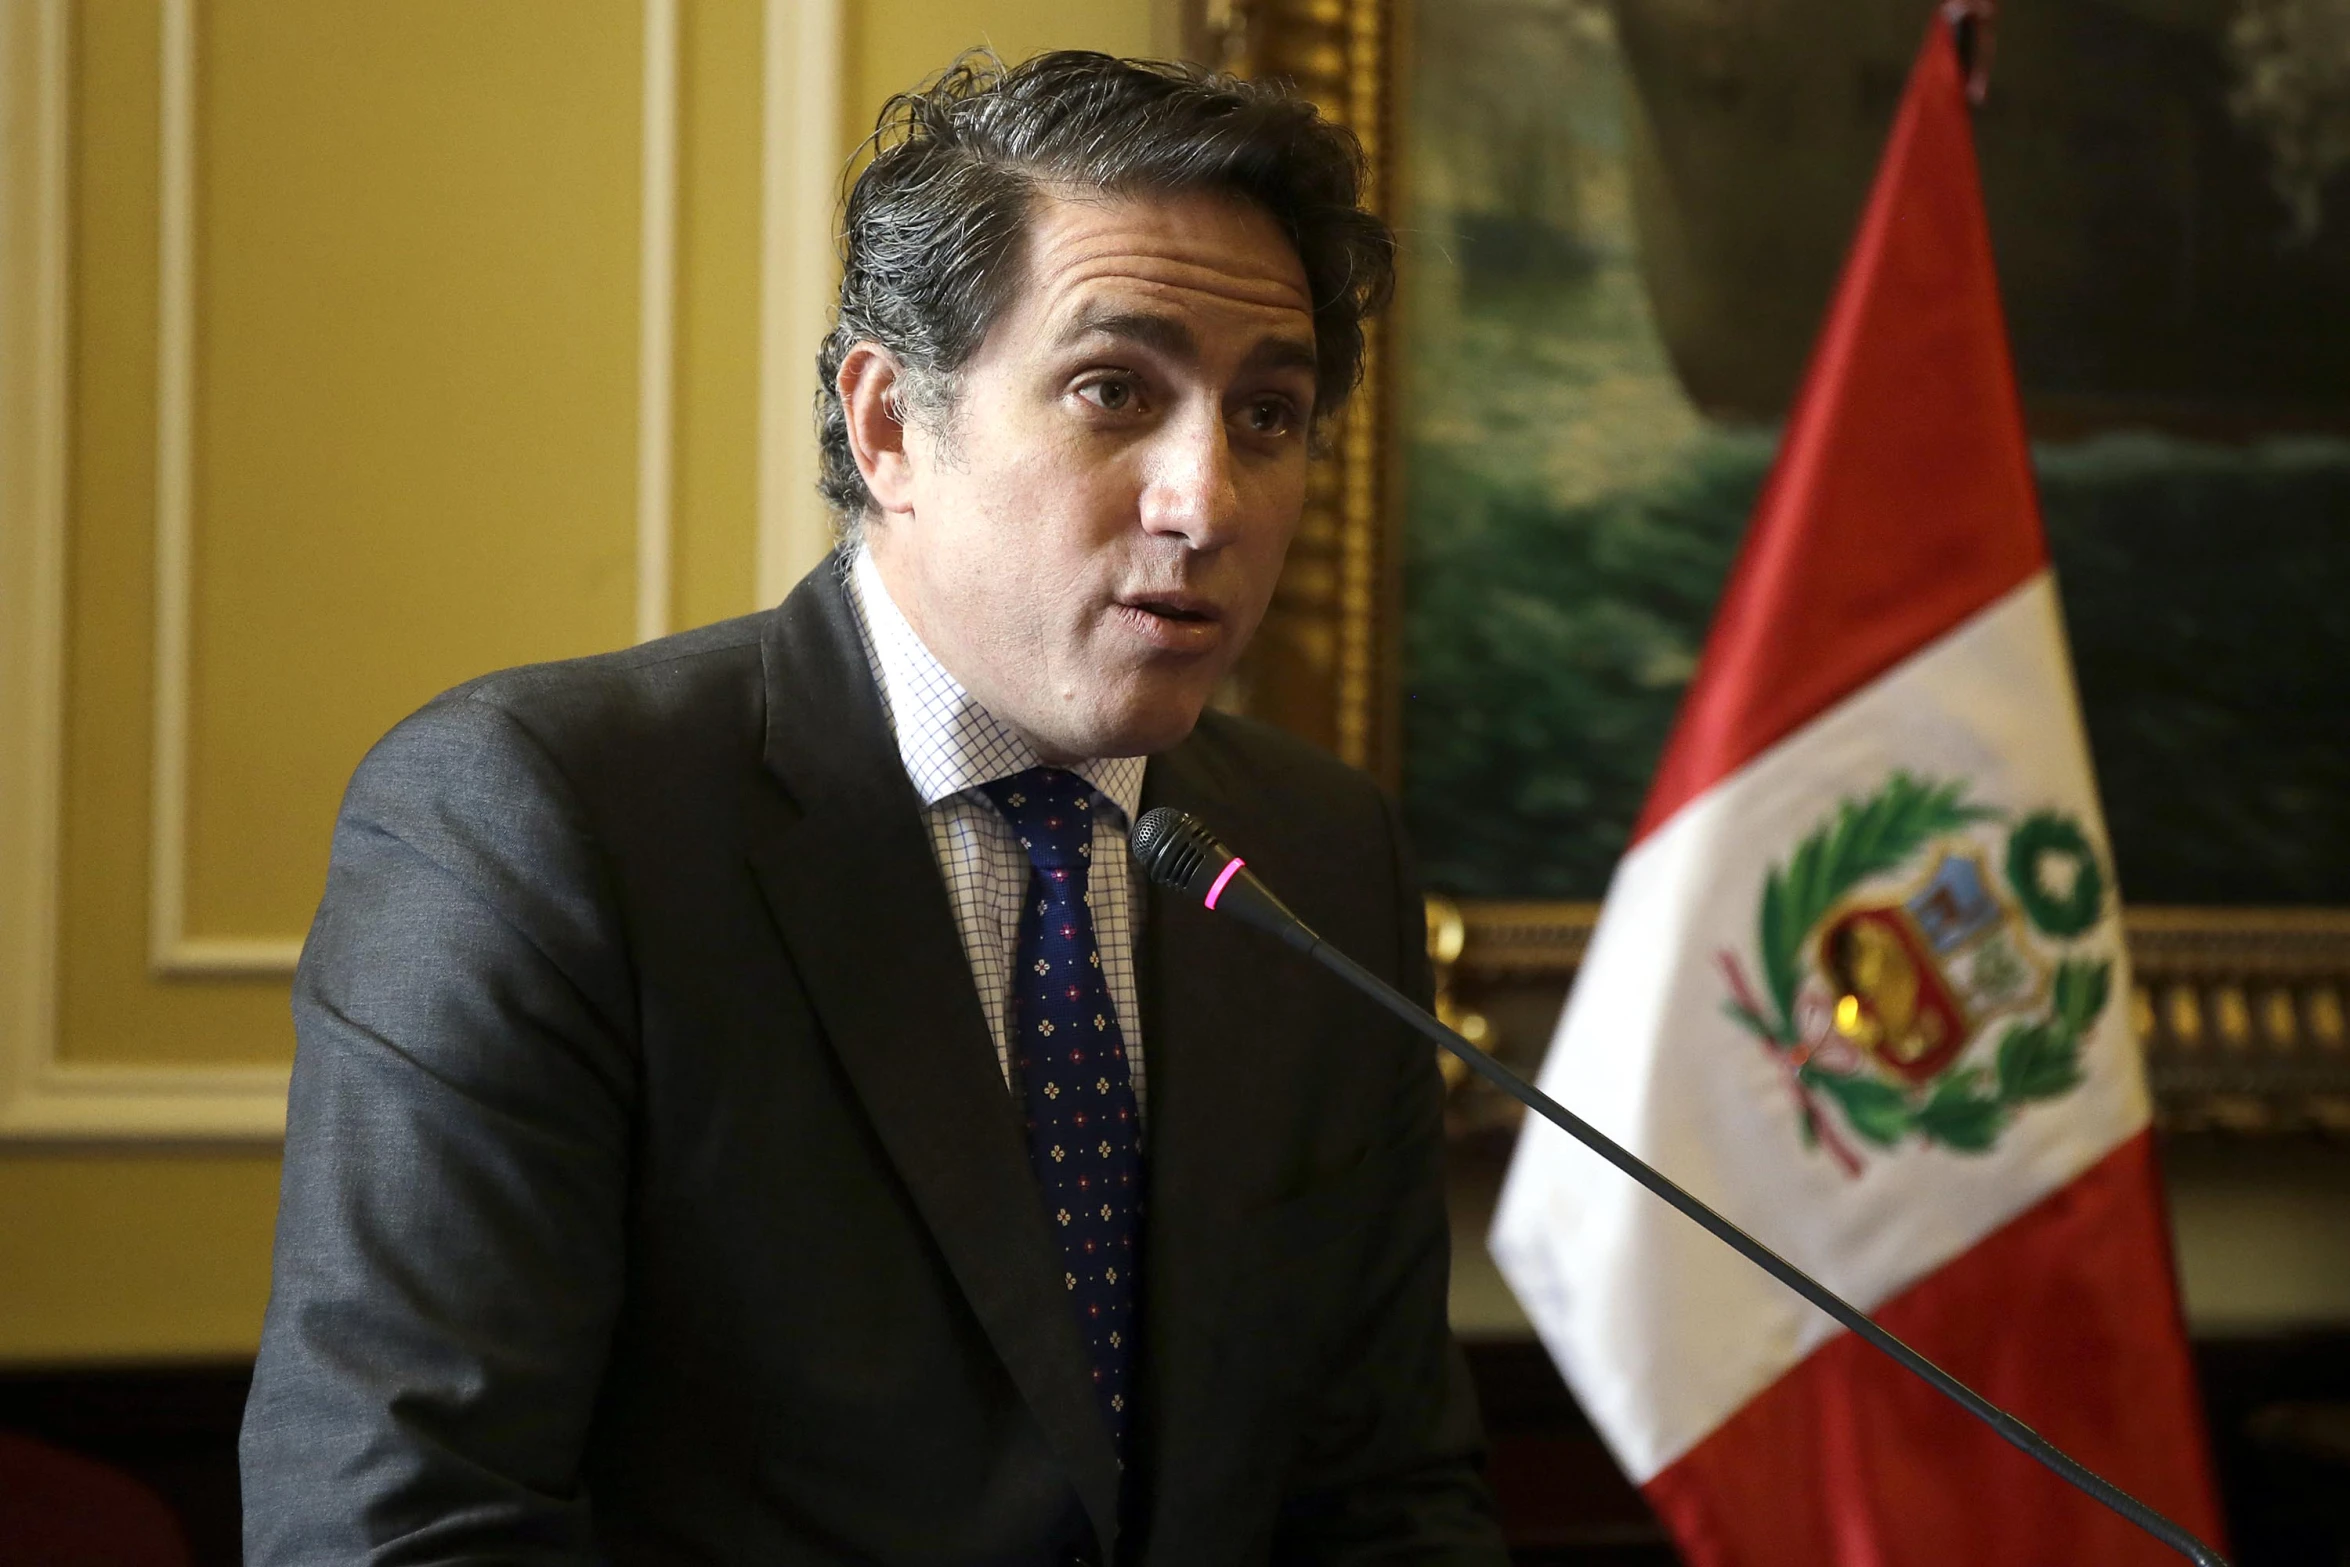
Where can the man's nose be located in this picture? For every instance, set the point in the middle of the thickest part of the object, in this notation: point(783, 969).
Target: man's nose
point(1191, 490)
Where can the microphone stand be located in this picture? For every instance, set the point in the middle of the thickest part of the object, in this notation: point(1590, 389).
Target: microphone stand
point(1178, 853)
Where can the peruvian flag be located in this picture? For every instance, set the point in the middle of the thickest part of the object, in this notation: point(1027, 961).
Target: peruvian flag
point(1860, 984)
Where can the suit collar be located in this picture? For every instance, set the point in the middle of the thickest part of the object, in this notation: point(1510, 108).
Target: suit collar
point(857, 898)
point(828, 733)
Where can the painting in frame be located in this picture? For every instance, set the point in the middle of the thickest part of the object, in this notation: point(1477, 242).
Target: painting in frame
point(1620, 221)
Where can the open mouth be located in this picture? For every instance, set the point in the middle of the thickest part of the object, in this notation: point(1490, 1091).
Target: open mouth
point(1183, 611)
point(1178, 623)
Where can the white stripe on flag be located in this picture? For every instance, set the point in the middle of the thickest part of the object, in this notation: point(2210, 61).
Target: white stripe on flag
point(1664, 1332)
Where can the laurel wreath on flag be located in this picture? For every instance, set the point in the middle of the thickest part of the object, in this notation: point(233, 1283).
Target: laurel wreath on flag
point(2036, 840)
point(1968, 1106)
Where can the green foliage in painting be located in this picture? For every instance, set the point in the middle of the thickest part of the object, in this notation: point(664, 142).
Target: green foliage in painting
point(1547, 647)
point(2206, 592)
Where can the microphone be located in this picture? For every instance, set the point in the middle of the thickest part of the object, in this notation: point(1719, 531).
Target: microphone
point(1177, 852)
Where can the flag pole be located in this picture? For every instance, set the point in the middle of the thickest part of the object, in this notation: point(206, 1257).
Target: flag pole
point(1974, 30)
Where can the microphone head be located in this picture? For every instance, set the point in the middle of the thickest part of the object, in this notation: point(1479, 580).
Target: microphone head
point(1176, 851)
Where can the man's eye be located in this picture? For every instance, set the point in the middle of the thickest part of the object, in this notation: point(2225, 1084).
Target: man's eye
point(1271, 416)
point(1113, 396)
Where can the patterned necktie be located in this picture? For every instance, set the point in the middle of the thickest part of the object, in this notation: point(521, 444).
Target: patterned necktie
point(1084, 1137)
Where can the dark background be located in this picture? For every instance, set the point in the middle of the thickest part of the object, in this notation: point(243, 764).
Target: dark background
point(2279, 1412)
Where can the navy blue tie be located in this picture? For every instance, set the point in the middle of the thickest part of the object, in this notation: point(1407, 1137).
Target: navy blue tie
point(1084, 1135)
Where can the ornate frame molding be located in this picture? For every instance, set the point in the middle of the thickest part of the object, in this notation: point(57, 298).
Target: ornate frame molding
point(2244, 1014)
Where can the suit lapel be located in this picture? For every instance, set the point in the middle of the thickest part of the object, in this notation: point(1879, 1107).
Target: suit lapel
point(857, 897)
point(1212, 992)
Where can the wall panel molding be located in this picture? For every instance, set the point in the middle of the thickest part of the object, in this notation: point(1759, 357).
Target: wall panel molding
point(800, 173)
point(656, 484)
point(174, 952)
point(42, 1096)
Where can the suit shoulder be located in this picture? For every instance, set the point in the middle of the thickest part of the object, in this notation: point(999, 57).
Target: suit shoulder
point(672, 667)
point(670, 691)
point(685, 703)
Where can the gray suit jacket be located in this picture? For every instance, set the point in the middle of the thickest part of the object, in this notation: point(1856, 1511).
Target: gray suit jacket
point(652, 1193)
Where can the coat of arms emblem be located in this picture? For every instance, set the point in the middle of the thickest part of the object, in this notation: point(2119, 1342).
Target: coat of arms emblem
point(1925, 967)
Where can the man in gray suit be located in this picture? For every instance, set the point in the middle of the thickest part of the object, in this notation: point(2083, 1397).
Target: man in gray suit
point(748, 1109)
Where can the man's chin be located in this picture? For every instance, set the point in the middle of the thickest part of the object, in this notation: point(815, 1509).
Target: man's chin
point(1139, 729)
point(1164, 733)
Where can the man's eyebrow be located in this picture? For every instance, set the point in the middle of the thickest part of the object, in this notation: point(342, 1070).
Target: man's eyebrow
point(1284, 353)
point(1170, 336)
point(1164, 333)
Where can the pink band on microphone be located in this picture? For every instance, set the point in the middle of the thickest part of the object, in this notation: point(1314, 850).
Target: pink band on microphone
point(1223, 876)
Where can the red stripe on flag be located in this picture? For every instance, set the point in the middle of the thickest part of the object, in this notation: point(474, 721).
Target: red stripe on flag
point(1902, 499)
point(2065, 1317)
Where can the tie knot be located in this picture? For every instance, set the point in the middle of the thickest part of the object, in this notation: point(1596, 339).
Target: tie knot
point(1051, 810)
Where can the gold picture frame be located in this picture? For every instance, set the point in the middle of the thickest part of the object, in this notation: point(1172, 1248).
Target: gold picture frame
point(1324, 664)
point(2244, 1013)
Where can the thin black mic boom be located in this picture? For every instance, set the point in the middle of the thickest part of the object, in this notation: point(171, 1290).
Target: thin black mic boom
point(1177, 852)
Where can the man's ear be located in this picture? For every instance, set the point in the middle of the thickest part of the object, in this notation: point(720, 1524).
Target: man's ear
point(872, 387)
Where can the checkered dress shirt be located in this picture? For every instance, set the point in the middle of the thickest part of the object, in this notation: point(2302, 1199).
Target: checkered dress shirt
point(951, 745)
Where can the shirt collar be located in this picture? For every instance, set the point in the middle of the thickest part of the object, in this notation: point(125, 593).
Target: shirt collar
point(949, 743)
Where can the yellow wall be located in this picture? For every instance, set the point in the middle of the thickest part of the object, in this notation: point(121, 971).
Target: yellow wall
point(892, 44)
point(413, 433)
